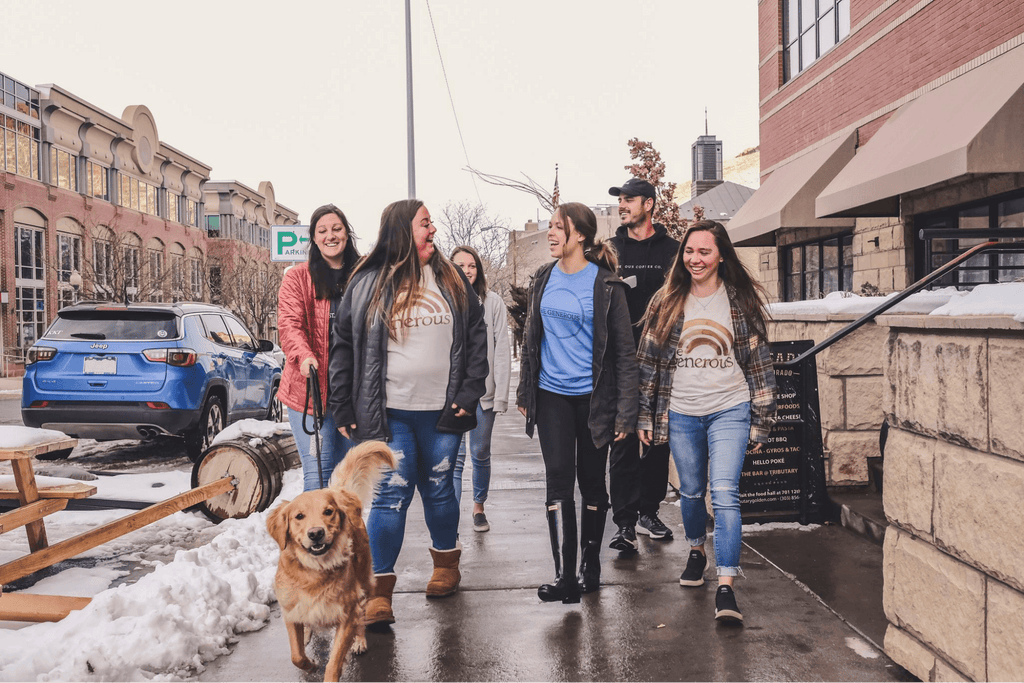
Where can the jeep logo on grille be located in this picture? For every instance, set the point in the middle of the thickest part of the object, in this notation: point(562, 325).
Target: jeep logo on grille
point(98, 346)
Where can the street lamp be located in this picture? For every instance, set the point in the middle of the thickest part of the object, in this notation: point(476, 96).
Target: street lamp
point(75, 280)
point(513, 243)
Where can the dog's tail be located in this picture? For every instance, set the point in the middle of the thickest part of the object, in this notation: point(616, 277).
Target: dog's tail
point(362, 468)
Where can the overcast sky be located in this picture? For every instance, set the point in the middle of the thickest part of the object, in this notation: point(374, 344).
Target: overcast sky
point(311, 95)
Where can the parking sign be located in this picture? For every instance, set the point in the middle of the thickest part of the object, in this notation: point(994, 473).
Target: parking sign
point(289, 242)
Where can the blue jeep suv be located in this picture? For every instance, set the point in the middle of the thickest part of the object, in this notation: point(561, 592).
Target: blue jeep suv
point(113, 371)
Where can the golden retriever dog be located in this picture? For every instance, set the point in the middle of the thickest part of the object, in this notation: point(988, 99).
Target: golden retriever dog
point(325, 573)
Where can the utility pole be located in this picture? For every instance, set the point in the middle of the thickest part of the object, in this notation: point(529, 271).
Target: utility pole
point(408, 97)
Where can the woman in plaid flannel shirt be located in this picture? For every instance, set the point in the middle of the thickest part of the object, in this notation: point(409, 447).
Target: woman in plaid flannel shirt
point(707, 387)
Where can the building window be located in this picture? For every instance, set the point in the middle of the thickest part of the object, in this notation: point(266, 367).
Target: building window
point(810, 28)
point(172, 206)
point(196, 278)
point(131, 272)
point(62, 169)
point(213, 226)
point(96, 181)
point(30, 284)
point(156, 275)
point(215, 285)
point(987, 219)
point(69, 259)
point(102, 267)
point(191, 213)
point(19, 128)
point(178, 277)
point(816, 269)
point(139, 195)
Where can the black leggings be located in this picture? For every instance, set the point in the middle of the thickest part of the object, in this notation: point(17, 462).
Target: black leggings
point(568, 448)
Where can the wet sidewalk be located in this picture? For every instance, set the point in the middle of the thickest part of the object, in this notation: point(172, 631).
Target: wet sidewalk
point(811, 602)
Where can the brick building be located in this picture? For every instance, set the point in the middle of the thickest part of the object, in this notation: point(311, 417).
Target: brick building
point(879, 118)
point(86, 193)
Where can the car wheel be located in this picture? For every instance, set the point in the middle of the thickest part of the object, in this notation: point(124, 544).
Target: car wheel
point(210, 424)
point(275, 411)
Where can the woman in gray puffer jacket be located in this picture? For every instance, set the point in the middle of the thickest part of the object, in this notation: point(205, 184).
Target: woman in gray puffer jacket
point(408, 365)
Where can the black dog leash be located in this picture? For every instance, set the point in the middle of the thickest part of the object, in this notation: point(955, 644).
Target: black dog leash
point(313, 388)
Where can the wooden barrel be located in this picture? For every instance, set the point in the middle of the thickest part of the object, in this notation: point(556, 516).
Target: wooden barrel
point(258, 463)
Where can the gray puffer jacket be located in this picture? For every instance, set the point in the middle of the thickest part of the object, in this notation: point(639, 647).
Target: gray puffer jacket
point(359, 358)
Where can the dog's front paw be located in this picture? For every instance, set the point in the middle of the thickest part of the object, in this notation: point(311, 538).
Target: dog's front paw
point(358, 645)
point(304, 663)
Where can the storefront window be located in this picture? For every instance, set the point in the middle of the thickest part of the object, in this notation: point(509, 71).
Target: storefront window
point(816, 269)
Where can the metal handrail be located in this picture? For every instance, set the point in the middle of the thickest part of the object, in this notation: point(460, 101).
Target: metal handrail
point(991, 245)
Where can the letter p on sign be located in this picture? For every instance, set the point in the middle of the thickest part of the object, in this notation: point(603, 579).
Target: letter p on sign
point(289, 242)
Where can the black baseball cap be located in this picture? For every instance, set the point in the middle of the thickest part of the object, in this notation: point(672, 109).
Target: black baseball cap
point(634, 187)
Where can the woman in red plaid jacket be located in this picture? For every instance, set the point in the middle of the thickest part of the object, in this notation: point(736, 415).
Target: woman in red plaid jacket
point(707, 387)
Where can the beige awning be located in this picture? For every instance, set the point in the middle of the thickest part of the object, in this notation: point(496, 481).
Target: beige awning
point(786, 199)
point(973, 124)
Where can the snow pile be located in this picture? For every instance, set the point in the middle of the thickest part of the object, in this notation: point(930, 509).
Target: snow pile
point(854, 304)
point(1001, 299)
point(12, 437)
point(261, 429)
point(167, 624)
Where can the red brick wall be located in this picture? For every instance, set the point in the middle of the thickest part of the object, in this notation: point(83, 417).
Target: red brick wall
point(943, 36)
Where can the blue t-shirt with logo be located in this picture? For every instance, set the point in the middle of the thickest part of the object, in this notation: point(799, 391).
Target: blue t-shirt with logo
point(567, 349)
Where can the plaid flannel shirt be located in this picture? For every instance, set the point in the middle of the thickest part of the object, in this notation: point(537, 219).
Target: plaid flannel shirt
point(656, 371)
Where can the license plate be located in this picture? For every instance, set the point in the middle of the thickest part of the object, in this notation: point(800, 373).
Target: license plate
point(100, 366)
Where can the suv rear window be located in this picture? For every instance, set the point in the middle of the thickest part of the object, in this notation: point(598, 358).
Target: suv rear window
point(117, 325)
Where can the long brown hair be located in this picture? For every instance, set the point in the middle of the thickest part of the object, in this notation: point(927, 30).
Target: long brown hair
point(398, 282)
point(583, 219)
point(667, 304)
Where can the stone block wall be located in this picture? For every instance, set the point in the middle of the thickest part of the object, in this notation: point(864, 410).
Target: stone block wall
point(954, 497)
point(849, 390)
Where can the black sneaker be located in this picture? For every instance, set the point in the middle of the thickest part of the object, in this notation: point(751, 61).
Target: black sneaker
point(653, 527)
point(725, 605)
point(693, 575)
point(624, 539)
point(480, 522)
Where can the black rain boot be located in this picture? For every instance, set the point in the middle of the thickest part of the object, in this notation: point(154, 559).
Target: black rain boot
point(591, 533)
point(565, 587)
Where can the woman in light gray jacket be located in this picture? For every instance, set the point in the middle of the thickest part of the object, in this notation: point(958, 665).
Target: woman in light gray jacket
point(495, 400)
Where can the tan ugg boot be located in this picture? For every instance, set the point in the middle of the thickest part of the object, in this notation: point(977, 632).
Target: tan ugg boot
point(378, 608)
point(445, 579)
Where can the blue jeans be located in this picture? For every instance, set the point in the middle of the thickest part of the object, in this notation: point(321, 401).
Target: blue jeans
point(333, 448)
point(712, 445)
point(480, 451)
point(426, 459)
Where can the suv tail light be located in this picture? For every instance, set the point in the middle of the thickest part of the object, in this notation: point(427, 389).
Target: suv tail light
point(182, 358)
point(36, 354)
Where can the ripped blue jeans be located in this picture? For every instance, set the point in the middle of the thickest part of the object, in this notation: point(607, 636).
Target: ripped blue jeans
point(711, 447)
point(426, 462)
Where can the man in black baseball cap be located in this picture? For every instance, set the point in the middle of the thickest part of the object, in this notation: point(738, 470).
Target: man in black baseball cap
point(638, 475)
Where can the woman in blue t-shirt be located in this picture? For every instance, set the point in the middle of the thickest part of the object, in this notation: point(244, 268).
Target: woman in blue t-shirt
point(578, 385)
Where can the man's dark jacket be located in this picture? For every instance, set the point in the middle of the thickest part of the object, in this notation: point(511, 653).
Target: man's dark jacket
point(615, 400)
point(649, 260)
point(359, 359)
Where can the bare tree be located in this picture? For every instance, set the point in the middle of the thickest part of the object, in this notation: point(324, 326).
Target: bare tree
point(465, 223)
point(547, 200)
point(115, 266)
point(249, 290)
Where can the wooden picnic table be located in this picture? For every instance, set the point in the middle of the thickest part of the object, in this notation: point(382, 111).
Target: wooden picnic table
point(36, 502)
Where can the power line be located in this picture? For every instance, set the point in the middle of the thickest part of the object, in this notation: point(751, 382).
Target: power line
point(452, 100)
